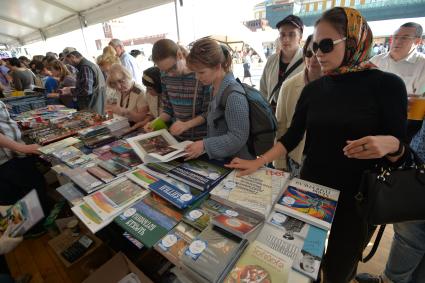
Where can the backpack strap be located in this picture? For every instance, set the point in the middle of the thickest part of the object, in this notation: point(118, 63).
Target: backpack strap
point(233, 87)
point(283, 78)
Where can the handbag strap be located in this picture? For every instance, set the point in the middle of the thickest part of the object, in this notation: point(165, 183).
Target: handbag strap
point(375, 245)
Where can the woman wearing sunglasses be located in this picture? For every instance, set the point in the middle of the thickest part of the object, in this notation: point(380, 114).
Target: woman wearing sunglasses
point(354, 116)
point(288, 97)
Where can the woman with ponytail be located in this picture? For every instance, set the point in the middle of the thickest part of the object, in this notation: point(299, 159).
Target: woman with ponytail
point(228, 113)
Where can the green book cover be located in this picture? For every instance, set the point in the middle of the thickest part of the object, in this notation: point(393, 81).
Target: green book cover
point(145, 223)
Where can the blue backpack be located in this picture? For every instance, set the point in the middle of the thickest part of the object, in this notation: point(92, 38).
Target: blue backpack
point(262, 122)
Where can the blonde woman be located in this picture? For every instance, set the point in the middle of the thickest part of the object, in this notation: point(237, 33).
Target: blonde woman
point(131, 102)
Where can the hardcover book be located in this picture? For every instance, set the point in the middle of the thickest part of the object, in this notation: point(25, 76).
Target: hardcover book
point(310, 202)
point(101, 174)
point(147, 220)
point(309, 258)
point(112, 199)
point(113, 167)
point(260, 264)
point(82, 179)
point(200, 217)
point(253, 193)
point(199, 173)
point(158, 146)
point(239, 224)
point(176, 241)
point(212, 252)
point(177, 193)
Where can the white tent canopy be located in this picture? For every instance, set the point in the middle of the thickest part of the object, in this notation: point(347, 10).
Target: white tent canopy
point(28, 21)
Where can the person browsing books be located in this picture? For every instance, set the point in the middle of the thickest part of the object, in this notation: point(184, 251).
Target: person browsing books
point(184, 99)
point(228, 127)
point(354, 116)
point(288, 98)
point(131, 101)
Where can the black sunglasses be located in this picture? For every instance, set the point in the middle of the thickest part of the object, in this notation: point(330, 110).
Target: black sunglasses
point(326, 45)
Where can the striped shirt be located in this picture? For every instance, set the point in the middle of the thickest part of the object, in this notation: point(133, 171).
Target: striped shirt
point(177, 101)
point(8, 128)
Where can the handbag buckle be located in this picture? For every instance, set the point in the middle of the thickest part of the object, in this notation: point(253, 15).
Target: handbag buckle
point(359, 196)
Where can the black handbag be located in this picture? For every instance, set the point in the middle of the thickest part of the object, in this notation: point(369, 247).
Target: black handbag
point(388, 195)
point(392, 195)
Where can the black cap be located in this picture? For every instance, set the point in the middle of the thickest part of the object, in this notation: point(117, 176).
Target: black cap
point(152, 77)
point(291, 20)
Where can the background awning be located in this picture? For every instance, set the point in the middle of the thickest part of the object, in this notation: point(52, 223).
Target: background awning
point(27, 21)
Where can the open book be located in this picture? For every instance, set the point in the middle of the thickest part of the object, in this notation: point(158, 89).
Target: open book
point(158, 146)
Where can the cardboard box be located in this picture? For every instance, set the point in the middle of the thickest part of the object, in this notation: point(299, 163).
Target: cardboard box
point(79, 270)
point(115, 269)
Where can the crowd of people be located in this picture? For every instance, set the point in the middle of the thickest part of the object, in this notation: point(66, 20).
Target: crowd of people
point(339, 113)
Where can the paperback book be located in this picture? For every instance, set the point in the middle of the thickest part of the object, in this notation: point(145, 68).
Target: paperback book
point(100, 173)
point(260, 264)
point(71, 193)
point(141, 177)
point(89, 217)
point(176, 241)
point(71, 156)
point(200, 173)
point(177, 193)
point(212, 253)
point(148, 221)
point(83, 179)
point(200, 217)
point(24, 214)
point(158, 146)
point(112, 199)
point(239, 224)
point(310, 202)
point(290, 226)
point(253, 193)
point(309, 258)
point(113, 167)
point(56, 146)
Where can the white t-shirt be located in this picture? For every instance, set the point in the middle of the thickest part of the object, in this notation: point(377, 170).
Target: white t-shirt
point(410, 69)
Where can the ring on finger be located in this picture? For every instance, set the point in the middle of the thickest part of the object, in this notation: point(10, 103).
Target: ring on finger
point(364, 147)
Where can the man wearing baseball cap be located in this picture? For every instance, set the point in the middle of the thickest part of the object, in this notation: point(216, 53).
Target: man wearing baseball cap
point(286, 63)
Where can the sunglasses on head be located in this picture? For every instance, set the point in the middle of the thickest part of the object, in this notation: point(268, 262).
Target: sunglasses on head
point(326, 45)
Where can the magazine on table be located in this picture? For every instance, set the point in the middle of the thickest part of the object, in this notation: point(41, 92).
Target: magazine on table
point(158, 146)
point(24, 214)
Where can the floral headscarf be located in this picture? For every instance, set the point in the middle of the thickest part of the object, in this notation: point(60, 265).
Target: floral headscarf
point(358, 44)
